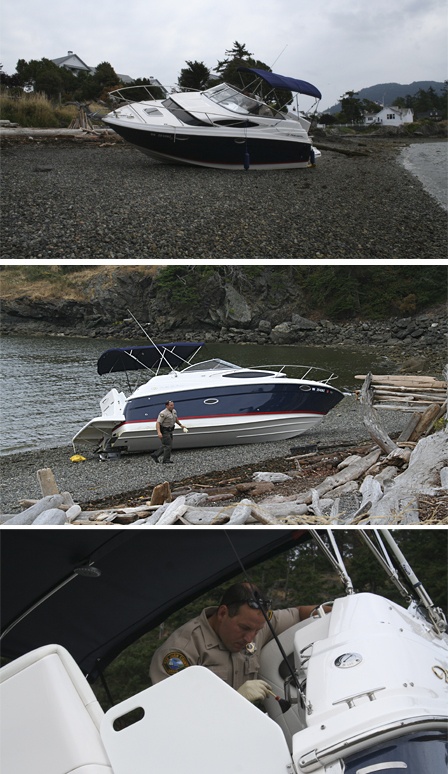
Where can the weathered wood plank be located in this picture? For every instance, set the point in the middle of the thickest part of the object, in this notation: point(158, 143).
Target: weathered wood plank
point(31, 514)
point(371, 418)
point(409, 428)
point(47, 482)
point(161, 494)
point(426, 422)
point(405, 379)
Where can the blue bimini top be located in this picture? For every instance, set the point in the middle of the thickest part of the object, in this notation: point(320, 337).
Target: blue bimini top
point(283, 82)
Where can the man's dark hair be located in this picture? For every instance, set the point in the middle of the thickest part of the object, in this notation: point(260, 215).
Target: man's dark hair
point(244, 594)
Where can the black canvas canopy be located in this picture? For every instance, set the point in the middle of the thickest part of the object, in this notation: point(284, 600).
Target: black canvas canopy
point(151, 356)
point(284, 82)
point(104, 588)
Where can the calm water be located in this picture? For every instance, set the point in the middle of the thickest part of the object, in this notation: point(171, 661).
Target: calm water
point(50, 387)
point(429, 162)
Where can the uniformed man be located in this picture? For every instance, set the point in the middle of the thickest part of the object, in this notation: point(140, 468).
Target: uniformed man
point(227, 640)
point(165, 424)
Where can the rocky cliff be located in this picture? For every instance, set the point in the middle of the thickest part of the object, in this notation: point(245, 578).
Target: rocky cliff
point(231, 305)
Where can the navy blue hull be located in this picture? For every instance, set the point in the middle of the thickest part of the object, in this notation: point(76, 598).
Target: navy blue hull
point(217, 151)
point(242, 401)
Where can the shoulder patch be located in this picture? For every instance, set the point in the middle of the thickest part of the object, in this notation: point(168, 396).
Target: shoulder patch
point(174, 662)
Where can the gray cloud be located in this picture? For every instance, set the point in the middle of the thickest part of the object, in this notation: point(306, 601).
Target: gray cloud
point(337, 45)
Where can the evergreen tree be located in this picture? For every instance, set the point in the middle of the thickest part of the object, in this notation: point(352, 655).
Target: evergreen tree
point(352, 112)
point(196, 76)
point(45, 76)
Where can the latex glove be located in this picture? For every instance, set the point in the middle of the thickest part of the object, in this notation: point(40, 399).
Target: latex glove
point(185, 429)
point(255, 690)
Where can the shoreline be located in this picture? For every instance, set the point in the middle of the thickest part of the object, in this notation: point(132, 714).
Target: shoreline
point(96, 481)
point(413, 342)
point(73, 199)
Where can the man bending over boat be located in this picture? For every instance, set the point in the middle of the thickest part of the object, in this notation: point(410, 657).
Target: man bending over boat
point(227, 639)
point(166, 421)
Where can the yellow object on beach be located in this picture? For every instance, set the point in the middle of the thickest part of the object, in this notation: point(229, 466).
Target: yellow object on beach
point(77, 458)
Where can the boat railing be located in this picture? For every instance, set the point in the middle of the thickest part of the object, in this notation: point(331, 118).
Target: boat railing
point(307, 372)
point(143, 91)
point(133, 95)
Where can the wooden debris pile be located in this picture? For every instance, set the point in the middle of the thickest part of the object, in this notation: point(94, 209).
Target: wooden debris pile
point(82, 120)
point(423, 396)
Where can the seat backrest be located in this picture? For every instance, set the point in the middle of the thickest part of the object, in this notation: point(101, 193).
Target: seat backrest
point(192, 723)
point(50, 717)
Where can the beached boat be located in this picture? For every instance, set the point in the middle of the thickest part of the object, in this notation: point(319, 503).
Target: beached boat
point(363, 688)
point(220, 403)
point(222, 127)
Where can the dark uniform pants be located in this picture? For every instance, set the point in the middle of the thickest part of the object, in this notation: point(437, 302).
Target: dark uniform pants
point(167, 444)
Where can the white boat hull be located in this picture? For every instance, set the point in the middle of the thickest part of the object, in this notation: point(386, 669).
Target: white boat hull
point(142, 436)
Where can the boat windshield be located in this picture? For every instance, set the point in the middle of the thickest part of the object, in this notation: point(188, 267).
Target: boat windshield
point(239, 102)
point(215, 364)
point(419, 751)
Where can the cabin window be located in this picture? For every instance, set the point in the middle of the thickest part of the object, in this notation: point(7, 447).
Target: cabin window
point(183, 115)
point(247, 375)
point(235, 123)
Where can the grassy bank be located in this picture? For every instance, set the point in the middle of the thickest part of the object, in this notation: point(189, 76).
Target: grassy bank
point(36, 111)
point(338, 293)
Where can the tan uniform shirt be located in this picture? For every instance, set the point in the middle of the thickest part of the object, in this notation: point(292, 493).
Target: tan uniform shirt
point(196, 643)
point(167, 418)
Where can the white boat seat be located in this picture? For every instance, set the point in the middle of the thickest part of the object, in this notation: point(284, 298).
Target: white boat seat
point(50, 717)
point(192, 723)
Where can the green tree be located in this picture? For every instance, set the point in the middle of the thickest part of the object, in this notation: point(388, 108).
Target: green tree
point(45, 76)
point(105, 76)
point(9, 81)
point(367, 106)
point(236, 56)
point(351, 108)
point(196, 76)
point(239, 56)
point(327, 119)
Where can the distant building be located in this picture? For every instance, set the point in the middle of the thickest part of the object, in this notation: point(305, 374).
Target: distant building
point(433, 115)
point(73, 63)
point(76, 65)
point(390, 116)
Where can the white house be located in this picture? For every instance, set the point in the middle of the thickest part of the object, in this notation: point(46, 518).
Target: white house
point(76, 65)
point(390, 116)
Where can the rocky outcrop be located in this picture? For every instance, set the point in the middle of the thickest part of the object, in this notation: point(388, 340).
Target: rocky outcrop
point(217, 310)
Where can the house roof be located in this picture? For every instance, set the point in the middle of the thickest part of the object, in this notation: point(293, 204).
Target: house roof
point(73, 60)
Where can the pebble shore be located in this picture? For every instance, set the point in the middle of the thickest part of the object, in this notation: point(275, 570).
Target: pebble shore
point(73, 199)
point(96, 480)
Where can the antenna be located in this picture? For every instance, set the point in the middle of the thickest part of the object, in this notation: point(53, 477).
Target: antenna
point(281, 52)
point(161, 353)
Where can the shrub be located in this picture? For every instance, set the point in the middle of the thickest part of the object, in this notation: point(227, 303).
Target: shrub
point(35, 111)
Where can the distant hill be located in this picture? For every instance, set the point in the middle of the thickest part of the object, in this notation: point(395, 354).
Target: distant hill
point(386, 93)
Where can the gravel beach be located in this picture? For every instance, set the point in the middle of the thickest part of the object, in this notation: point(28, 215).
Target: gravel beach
point(74, 199)
point(97, 480)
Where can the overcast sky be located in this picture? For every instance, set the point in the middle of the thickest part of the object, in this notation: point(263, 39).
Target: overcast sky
point(337, 45)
